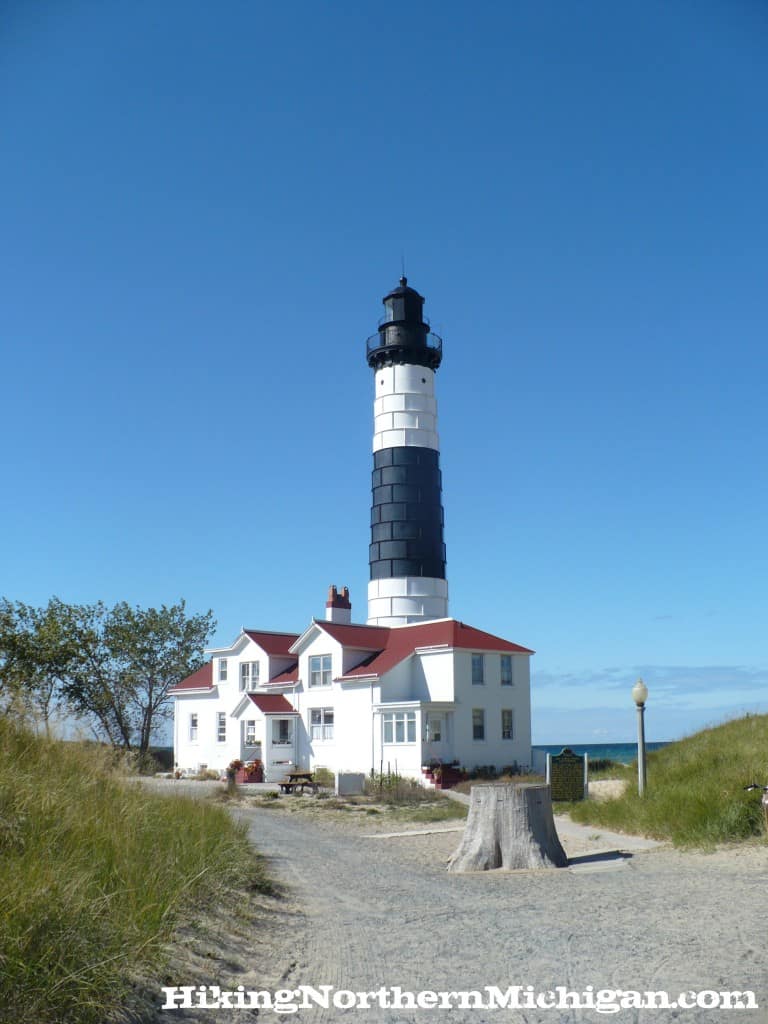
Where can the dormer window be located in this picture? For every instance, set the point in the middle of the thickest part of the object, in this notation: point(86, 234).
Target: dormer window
point(249, 676)
point(320, 670)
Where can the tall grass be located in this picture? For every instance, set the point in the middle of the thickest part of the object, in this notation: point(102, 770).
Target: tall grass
point(94, 874)
point(695, 794)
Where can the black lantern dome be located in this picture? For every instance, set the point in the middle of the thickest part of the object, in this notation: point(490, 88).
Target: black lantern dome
point(404, 335)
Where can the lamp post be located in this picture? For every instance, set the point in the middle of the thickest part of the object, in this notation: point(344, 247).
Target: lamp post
point(640, 696)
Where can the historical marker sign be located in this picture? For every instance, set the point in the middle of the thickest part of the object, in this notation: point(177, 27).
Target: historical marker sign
point(567, 776)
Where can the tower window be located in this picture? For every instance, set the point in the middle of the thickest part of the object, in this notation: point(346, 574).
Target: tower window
point(478, 669)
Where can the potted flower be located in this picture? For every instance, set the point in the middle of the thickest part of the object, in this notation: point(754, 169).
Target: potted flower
point(234, 769)
point(254, 771)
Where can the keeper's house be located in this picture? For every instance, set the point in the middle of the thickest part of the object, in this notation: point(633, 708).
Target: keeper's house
point(358, 698)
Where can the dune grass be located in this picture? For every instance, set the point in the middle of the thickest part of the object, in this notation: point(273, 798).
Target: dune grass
point(95, 873)
point(695, 794)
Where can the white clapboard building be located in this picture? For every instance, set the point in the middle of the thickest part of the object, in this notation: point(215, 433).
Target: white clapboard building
point(410, 686)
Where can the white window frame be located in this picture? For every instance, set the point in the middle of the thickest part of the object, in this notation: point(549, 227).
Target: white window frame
point(398, 728)
point(221, 726)
point(429, 731)
point(249, 676)
point(478, 678)
point(508, 734)
point(506, 659)
point(320, 670)
point(280, 722)
point(222, 670)
point(249, 733)
point(321, 722)
point(475, 713)
point(194, 723)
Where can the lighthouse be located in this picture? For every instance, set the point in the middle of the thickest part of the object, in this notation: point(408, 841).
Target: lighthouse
point(407, 552)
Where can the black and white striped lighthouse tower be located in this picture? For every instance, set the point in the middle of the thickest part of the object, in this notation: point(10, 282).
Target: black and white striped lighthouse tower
point(407, 553)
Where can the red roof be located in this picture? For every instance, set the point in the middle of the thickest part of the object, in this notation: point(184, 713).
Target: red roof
point(200, 680)
point(272, 704)
point(277, 644)
point(368, 638)
point(291, 675)
point(402, 641)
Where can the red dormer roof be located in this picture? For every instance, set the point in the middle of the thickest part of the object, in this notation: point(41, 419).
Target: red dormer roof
point(276, 644)
point(290, 675)
point(402, 641)
point(272, 704)
point(200, 680)
point(367, 638)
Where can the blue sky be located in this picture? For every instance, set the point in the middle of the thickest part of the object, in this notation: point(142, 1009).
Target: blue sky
point(203, 205)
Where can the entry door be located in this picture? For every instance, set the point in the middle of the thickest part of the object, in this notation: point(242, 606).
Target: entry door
point(281, 747)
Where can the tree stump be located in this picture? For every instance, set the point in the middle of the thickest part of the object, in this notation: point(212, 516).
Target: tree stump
point(509, 826)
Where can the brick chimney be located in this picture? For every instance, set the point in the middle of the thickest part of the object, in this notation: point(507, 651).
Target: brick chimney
point(338, 607)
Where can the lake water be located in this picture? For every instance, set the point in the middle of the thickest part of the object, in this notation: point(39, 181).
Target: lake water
point(626, 753)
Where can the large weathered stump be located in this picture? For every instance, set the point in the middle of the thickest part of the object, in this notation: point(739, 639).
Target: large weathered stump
point(509, 826)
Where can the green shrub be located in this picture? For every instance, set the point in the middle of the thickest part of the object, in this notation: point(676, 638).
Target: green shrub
point(604, 764)
point(325, 777)
point(391, 788)
point(95, 873)
point(695, 794)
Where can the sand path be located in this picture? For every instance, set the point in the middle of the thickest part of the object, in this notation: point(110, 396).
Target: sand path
point(360, 911)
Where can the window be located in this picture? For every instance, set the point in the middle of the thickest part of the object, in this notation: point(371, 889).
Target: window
point(321, 724)
point(478, 669)
point(222, 670)
point(249, 675)
point(250, 732)
point(221, 726)
point(193, 728)
point(478, 724)
point(434, 730)
point(399, 726)
point(506, 724)
point(282, 731)
point(506, 670)
point(320, 670)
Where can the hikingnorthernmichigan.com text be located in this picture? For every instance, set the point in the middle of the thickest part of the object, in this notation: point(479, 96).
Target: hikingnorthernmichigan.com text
point(490, 997)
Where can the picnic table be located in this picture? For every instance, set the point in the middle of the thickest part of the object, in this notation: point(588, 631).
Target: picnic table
point(295, 781)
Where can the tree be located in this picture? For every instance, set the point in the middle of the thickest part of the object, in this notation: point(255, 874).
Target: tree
point(114, 666)
point(34, 653)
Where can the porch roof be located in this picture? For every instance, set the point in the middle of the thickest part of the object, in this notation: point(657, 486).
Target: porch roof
point(272, 704)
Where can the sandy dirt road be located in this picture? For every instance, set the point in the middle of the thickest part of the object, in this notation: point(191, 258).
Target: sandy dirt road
point(360, 913)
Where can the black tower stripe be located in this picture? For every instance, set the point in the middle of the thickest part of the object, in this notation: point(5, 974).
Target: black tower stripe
point(406, 514)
